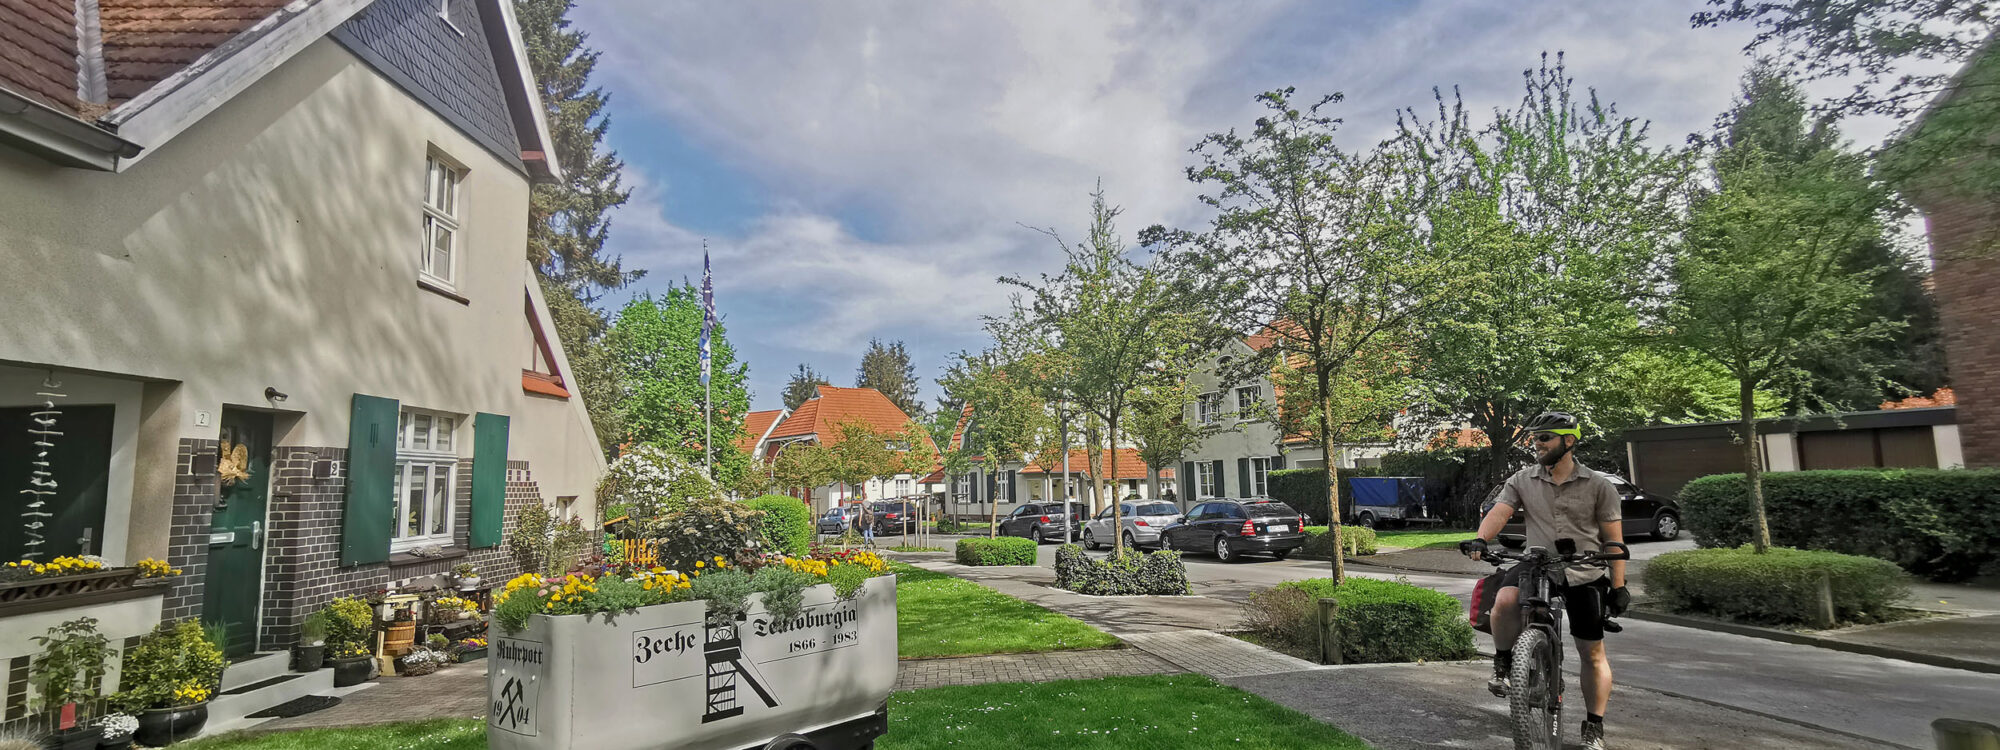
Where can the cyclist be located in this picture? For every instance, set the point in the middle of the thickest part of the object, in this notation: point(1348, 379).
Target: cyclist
point(1563, 499)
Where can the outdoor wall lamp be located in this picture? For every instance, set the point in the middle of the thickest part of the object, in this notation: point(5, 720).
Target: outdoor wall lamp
point(272, 394)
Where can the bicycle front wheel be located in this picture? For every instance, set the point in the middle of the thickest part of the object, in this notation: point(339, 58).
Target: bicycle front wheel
point(1535, 701)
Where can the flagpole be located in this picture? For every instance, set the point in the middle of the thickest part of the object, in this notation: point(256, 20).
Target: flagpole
point(707, 384)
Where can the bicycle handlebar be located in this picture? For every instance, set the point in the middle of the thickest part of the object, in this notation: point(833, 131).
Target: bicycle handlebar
point(1623, 553)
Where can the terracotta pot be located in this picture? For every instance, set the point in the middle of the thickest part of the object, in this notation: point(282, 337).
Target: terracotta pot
point(160, 727)
point(347, 672)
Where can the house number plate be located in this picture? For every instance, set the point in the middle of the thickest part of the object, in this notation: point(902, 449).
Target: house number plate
point(222, 537)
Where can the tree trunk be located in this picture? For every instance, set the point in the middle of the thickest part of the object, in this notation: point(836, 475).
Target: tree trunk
point(1753, 463)
point(992, 509)
point(1334, 515)
point(1117, 507)
point(1152, 483)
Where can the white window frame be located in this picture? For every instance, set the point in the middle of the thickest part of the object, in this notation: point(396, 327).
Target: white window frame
point(1244, 408)
point(1204, 479)
point(418, 433)
point(1003, 490)
point(1209, 408)
point(902, 486)
point(1260, 477)
point(442, 214)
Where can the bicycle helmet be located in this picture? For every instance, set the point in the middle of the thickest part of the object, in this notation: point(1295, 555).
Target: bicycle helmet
point(1558, 423)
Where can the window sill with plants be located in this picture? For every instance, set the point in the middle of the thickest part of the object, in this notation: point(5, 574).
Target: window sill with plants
point(28, 586)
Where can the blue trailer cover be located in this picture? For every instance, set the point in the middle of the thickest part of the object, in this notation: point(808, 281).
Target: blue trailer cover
point(1387, 492)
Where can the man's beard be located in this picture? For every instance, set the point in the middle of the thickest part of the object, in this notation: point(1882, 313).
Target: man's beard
point(1553, 456)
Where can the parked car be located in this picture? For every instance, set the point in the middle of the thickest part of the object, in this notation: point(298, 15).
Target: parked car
point(1143, 522)
point(894, 516)
point(1231, 528)
point(1645, 513)
point(1043, 522)
point(838, 520)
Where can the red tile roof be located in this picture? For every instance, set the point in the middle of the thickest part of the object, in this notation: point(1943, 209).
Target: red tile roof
point(1130, 466)
point(144, 42)
point(822, 415)
point(754, 425)
point(1943, 397)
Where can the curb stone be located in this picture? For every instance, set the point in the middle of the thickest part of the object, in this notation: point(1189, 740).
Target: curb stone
point(1800, 639)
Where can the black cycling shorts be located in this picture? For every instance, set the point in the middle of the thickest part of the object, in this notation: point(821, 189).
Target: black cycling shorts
point(1584, 604)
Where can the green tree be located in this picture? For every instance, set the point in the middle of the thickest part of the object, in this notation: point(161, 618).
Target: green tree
point(1108, 326)
point(1760, 284)
point(594, 370)
point(803, 387)
point(865, 452)
point(1318, 247)
point(802, 465)
point(1368, 394)
point(1570, 210)
point(1159, 427)
point(1009, 420)
point(656, 345)
point(887, 368)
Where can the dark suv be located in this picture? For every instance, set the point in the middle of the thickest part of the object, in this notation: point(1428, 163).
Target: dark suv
point(1043, 522)
point(1645, 513)
point(894, 516)
point(1230, 528)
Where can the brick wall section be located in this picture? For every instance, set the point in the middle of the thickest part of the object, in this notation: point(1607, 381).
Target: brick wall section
point(1966, 281)
point(302, 563)
point(187, 541)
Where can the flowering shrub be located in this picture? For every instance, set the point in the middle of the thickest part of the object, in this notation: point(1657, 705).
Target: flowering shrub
point(151, 568)
point(116, 726)
point(61, 566)
point(652, 481)
point(702, 530)
point(349, 623)
point(725, 585)
point(174, 665)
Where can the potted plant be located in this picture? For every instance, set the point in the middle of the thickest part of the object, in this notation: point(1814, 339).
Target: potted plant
point(169, 678)
point(155, 573)
point(115, 730)
point(349, 624)
point(420, 661)
point(470, 649)
point(71, 666)
point(468, 576)
point(310, 652)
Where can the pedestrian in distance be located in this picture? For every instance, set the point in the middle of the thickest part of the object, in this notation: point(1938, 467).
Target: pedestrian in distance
point(867, 521)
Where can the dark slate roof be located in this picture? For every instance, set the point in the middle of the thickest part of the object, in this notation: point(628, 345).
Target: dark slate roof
point(451, 72)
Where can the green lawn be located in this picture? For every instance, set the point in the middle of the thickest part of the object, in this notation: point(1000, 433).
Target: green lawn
point(1421, 538)
point(1169, 712)
point(941, 615)
point(911, 548)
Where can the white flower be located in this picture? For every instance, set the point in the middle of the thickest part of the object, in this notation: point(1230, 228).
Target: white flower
point(114, 726)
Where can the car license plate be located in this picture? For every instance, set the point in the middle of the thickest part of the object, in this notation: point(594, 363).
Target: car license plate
point(1278, 527)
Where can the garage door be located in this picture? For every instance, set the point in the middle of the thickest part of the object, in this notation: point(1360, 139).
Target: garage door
point(1665, 466)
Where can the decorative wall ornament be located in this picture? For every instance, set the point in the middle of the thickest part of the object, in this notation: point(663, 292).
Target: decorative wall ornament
point(41, 482)
point(233, 463)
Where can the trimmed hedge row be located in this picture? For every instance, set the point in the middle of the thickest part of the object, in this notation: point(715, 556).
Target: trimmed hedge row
point(1779, 587)
point(1379, 621)
point(1355, 541)
point(1305, 489)
point(787, 524)
point(1136, 574)
point(1006, 550)
point(1941, 523)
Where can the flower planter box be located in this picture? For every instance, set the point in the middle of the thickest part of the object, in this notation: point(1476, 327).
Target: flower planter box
point(471, 654)
point(84, 583)
point(660, 677)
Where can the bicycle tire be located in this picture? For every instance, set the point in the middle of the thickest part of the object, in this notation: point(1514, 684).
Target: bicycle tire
point(1533, 704)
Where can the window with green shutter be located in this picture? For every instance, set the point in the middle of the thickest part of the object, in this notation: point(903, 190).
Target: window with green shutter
point(489, 478)
point(371, 479)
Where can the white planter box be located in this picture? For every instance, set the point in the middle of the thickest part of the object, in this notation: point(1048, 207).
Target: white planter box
point(660, 678)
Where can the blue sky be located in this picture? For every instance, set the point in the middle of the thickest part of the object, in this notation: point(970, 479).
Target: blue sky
point(867, 169)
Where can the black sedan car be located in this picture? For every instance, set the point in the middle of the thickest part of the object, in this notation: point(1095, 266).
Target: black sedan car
point(1043, 522)
point(1646, 514)
point(1232, 528)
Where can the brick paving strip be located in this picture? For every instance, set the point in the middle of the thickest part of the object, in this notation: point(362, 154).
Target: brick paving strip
point(917, 674)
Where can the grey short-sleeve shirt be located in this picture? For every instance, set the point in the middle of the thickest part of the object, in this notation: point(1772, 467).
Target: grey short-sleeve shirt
point(1576, 509)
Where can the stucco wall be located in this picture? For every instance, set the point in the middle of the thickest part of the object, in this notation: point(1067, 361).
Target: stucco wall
point(276, 244)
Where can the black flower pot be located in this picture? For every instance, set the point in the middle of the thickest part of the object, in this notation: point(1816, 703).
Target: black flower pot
point(308, 658)
point(348, 672)
point(160, 727)
point(80, 738)
point(121, 743)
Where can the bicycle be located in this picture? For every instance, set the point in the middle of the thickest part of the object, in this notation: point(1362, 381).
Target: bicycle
point(1535, 683)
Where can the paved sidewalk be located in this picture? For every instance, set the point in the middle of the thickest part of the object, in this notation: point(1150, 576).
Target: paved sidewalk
point(1216, 655)
point(455, 692)
point(917, 674)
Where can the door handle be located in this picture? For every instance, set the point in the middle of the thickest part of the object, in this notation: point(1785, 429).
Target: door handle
point(256, 535)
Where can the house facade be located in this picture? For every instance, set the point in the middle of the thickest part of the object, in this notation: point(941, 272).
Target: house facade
point(818, 421)
point(999, 484)
point(1236, 460)
point(271, 285)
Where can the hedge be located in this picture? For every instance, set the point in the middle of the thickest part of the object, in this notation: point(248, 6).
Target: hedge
point(1356, 540)
point(1135, 574)
point(1378, 621)
point(787, 524)
point(1456, 480)
point(1305, 489)
point(1940, 523)
point(1006, 550)
point(1779, 587)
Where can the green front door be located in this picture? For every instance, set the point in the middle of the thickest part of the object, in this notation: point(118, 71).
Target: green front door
point(235, 574)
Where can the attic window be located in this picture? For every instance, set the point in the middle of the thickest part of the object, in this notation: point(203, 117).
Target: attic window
point(444, 12)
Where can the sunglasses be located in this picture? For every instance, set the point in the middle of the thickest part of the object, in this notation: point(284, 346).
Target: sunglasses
point(1546, 437)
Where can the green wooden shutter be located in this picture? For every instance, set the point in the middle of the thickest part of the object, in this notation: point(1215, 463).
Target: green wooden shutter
point(1221, 479)
point(1187, 481)
point(1243, 475)
point(1013, 485)
point(1278, 462)
point(371, 481)
point(489, 478)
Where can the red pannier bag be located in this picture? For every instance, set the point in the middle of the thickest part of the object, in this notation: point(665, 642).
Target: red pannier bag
point(1480, 611)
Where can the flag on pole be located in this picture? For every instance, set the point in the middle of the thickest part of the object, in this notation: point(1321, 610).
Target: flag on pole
point(707, 313)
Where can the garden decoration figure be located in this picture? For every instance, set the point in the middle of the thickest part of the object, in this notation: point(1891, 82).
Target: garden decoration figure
point(41, 481)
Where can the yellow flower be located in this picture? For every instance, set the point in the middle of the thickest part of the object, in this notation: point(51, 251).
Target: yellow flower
point(699, 564)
